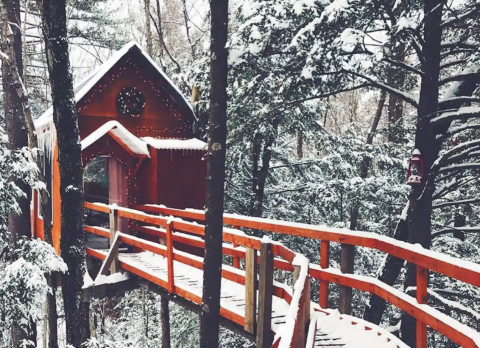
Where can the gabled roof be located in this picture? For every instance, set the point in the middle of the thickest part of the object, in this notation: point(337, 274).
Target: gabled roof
point(91, 80)
point(133, 145)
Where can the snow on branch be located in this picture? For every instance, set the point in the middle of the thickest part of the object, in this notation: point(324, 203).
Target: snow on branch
point(456, 130)
point(459, 77)
point(447, 230)
point(409, 98)
point(454, 305)
point(461, 166)
point(462, 113)
point(459, 202)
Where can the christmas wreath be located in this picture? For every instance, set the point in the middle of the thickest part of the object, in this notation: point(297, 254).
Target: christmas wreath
point(130, 102)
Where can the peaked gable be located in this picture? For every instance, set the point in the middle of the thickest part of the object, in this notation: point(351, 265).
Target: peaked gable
point(96, 84)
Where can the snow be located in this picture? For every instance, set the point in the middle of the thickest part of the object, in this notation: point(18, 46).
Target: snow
point(287, 331)
point(176, 144)
point(405, 23)
point(336, 325)
point(91, 80)
point(112, 278)
point(136, 145)
point(439, 316)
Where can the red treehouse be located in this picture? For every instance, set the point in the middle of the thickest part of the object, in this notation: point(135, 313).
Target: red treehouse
point(138, 141)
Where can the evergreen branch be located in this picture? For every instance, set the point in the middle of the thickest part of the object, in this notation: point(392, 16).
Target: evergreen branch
point(402, 95)
point(459, 202)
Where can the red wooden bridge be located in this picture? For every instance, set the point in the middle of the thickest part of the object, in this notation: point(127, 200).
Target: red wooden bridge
point(167, 259)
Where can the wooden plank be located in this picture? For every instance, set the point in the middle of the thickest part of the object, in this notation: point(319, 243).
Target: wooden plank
point(102, 208)
point(324, 263)
point(99, 231)
point(250, 290)
point(347, 259)
point(170, 258)
point(114, 267)
point(422, 285)
point(265, 293)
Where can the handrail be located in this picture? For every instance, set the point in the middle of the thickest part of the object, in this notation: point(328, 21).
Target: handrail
point(425, 259)
point(462, 270)
point(299, 299)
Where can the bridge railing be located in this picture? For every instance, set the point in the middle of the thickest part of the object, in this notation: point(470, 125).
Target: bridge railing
point(265, 254)
point(425, 261)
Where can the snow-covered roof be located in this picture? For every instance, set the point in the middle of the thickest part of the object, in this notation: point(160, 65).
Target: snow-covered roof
point(119, 133)
point(176, 144)
point(91, 80)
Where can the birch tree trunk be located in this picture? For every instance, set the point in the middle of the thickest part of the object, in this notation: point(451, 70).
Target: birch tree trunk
point(65, 117)
point(210, 313)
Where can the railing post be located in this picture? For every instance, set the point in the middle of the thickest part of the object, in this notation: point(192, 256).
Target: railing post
point(265, 293)
point(324, 263)
point(169, 242)
point(422, 284)
point(236, 259)
point(304, 310)
point(114, 266)
point(347, 259)
point(251, 287)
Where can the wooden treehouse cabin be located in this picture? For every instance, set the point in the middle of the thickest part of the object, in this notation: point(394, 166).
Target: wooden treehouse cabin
point(138, 141)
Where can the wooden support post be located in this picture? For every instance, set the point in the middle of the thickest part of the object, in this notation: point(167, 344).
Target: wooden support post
point(265, 294)
point(171, 279)
point(308, 302)
point(324, 263)
point(251, 287)
point(111, 264)
point(114, 266)
point(422, 284)
point(347, 259)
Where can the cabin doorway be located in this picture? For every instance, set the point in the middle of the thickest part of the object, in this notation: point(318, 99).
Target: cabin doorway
point(104, 181)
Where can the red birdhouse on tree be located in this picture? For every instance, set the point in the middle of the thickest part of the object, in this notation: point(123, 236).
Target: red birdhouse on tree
point(415, 168)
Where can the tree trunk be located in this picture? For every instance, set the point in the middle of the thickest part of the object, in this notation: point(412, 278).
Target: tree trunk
point(420, 209)
point(261, 156)
point(395, 113)
point(148, 28)
point(388, 275)
point(217, 130)
point(65, 117)
point(165, 315)
point(299, 144)
point(19, 224)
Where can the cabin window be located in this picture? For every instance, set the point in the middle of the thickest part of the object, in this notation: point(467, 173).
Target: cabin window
point(130, 102)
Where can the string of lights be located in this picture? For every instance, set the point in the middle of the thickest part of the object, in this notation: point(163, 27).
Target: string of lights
point(132, 104)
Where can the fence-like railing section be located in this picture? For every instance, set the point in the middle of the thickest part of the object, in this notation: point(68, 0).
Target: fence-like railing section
point(425, 260)
point(256, 253)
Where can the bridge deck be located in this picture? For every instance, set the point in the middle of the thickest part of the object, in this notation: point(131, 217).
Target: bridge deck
point(333, 330)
